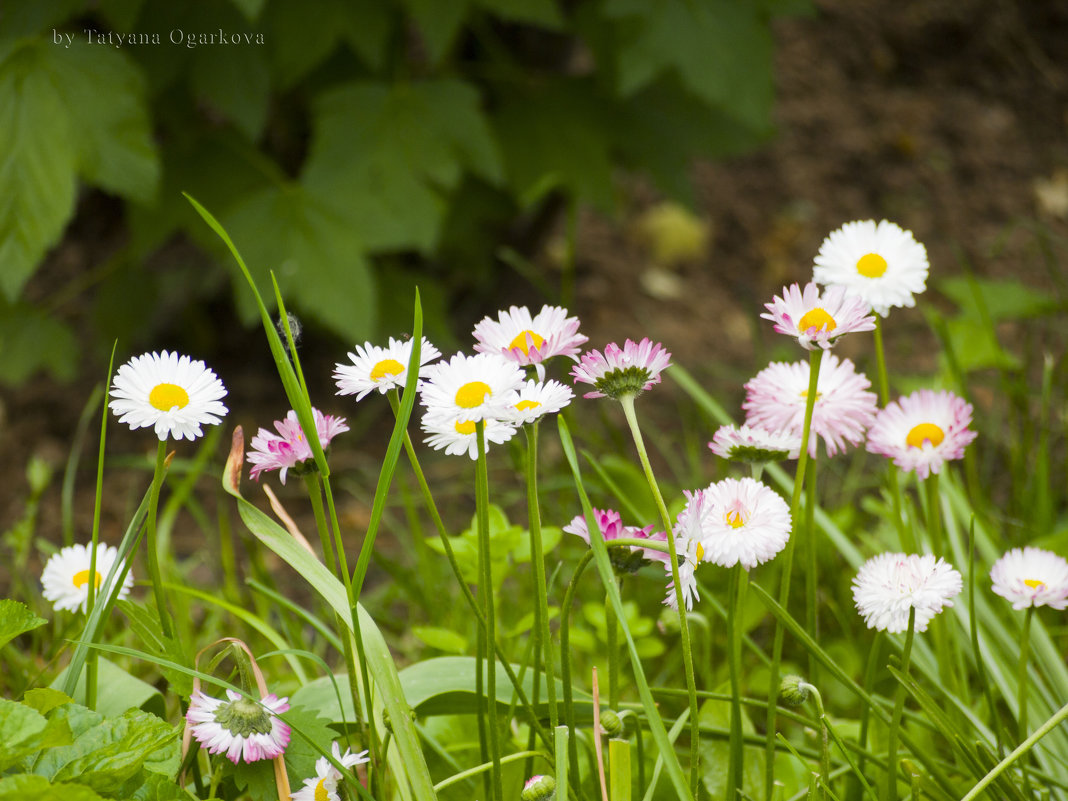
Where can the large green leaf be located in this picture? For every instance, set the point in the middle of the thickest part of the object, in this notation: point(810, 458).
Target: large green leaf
point(234, 81)
point(117, 691)
point(720, 49)
point(16, 619)
point(24, 730)
point(387, 157)
point(25, 786)
point(1000, 300)
point(30, 340)
point(64, 111)
point(715, 753)
point(316, 256)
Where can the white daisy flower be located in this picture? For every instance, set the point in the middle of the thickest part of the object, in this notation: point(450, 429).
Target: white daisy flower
point(689, 534)
point(889, 585)
point(817, 321)
point(1031, 577)
point(173, 394)
point(527, 340)
point(457, 437)
point(538, 398)
point(323, 786)
point(471, 388)
point(374, 367)
point(745, 522)
point(754, 444)
point(66, 575)
point(244, 729)
point(881, 263)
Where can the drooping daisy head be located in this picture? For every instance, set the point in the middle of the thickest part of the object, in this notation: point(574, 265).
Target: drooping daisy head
point(817, 321)
point(289, 447)
point(323, 786)
point(457, 437)
point(923, 430)
point(745, 522)
point(775, 400)
point(889, 585)
point(689, 536)
point(374, 367)
point(66, 575)
point(610, 524)
point(622, 372)
point(754, 444)
point(527, 340)
point(471, 388)
point(244, 729)
point(880, 263)
point(174, 394)
point(1031, 577)
point(538, 398)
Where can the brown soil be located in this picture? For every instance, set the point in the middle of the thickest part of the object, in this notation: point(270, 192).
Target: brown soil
point(941, 116)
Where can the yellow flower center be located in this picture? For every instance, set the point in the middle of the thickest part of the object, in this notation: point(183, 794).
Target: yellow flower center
point(166, 396)
point(81, 578)
point(467, 427)
point(523, 405)
point(734, 519)
point(871, 265)
point(386, 367)
point(700, 552)
point(472, 394)
point(819, 319)
point(925, 432)
point(520, 341)
point(321, 793)
point(1034, 584)
point(804, 395)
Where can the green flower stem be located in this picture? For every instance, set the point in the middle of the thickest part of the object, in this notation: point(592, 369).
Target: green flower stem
point(542, 634)
point(627, 402)
point(739, 581)
point(152, 554)
point(908, 544)
point(1021, 687)
point(472, 602)
point(899, 708)
point(610, 624)
point(486, 580)
point(1058, 718)
point(315, 494)
point(880, 360)
point(934, 515)
point(825, 740)
point(814, 359)
point(811, 578)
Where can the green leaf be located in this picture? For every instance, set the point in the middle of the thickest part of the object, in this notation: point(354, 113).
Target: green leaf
point(1001, 300)
point(144, 623)
point(715, 753)
point(441, 638)
point(535, 12)
point(387, 157)
point(64, 111)
point(234, 81)
point(31, 341)
point(16, 619)
point(720, 49)
point(24, 731)
point(45, 699)
point(438, 22)
point(316, 256)
point(250, 8)
point(25, 786)
point(556, 135)
point(117, 691)
point(976, 347)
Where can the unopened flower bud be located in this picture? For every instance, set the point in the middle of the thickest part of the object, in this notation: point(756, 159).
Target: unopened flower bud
point(793, 690)
point(539, 788)
point(611, 723)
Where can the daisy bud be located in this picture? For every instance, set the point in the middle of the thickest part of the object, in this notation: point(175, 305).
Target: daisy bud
point(539, 788)
point(793, 690)
point(611, 723)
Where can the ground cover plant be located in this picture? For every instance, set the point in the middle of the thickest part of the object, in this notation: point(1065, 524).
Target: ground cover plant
point(608, 631)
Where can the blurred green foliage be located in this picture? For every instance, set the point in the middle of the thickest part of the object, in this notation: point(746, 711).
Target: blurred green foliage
point(348, 146)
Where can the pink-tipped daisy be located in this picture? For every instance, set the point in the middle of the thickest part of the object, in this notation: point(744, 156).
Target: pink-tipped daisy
point(922, 431)
point(815, 321)
point(471, 388)
point(528, 340)
point(244, 729)
point(611, 527)
point(753, 444)
point(1031, 577)
point(745, 522)
point(538, 398)
point(173, 394)
point(374, 367)
point(775, 400)
point(880, 263)
point(889, 585)
point(622, 372)
point(457, 437)
point(323, 786)
point(66, 575)
point(289, 447)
